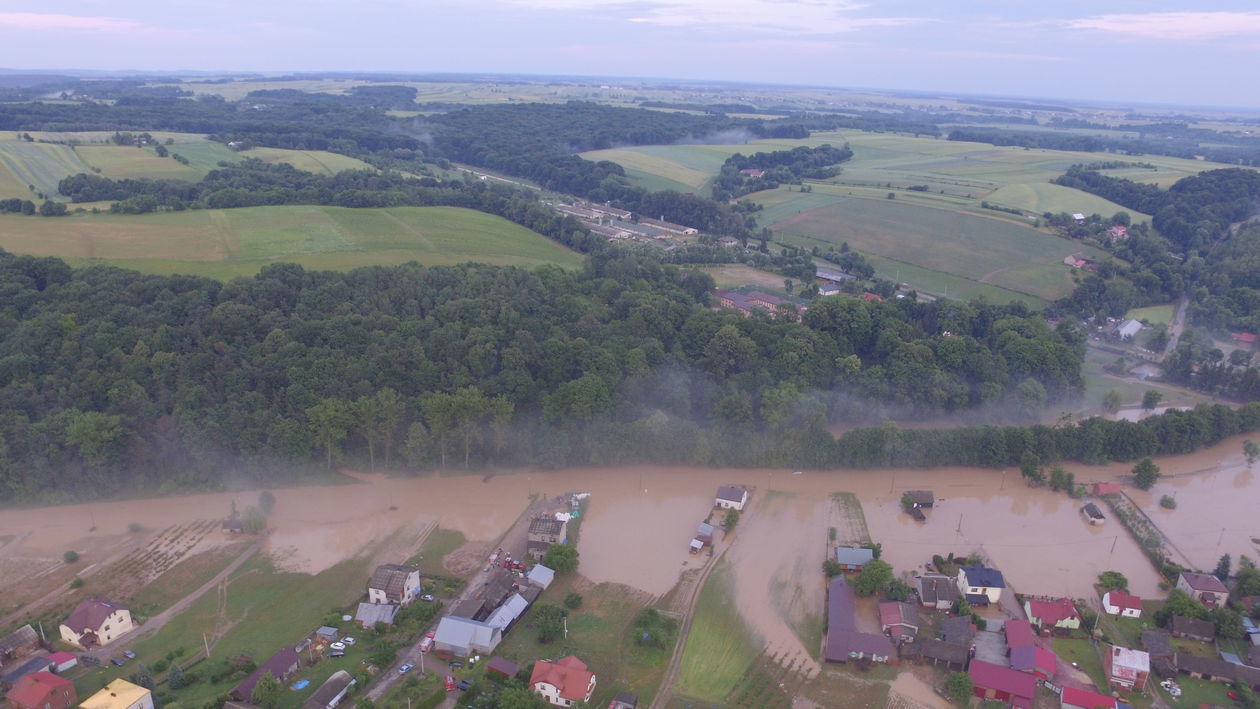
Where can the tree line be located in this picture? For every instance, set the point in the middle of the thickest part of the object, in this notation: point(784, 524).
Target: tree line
point(778, 167)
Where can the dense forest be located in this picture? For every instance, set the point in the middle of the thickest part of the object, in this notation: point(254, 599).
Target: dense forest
point(776, 168)
point(1176, 140)
point(118, 379)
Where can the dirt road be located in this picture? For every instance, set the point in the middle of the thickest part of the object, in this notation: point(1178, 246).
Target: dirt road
point(1175, 327)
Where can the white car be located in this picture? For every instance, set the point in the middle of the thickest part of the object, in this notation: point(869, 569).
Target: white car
point(348, 640)
point(338, 646)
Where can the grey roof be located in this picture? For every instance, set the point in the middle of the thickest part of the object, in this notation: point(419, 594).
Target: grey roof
point(1157, 642)
point(1091, 510)
point(325, 631)
point(541, 575)
point(370, 614)
point(984, 577)
point(1187, 662)
point(937, 587)
point(33, 664)
point(945, 651)
point(511, 609)
point(1192, 627)
point(467, 608)
point(90, 614)
point(921, 497)
point(328, 691)
point(704, 530)
point(731, 493)
point(549, 526)
point(854, 556)
point(958, 630)
point(465, 634)
point(22, 637)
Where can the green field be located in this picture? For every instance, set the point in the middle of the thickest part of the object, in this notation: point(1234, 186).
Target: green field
point(40, 164)
point(988, 251)
point(1155, 314)
point(129, 162)
point(719, 647)
point(236, 242)
point(320, 162)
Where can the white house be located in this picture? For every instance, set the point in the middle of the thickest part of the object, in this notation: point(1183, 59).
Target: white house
point(564, 682)
point(96, 622)
point(1203, 587)
point(981, 581)
point(119, 694)
point(731, 498)
point(1121, 603)
point(394, 583)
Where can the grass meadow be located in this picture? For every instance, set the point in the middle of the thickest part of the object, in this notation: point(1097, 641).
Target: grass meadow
point(719, 650)
point(238, 242)
point(42, 165)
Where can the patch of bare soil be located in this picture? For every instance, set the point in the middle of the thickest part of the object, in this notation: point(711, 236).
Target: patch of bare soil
point(468, 559)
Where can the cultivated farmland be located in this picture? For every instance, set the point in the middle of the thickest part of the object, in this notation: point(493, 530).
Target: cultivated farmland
point(127, 161)
point(320, 162)
point(40, 164)
point(228, 243)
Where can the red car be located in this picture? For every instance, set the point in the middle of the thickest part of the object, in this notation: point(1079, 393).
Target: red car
point(450, 683)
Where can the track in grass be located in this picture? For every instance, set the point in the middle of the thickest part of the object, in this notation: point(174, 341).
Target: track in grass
point(228, 243)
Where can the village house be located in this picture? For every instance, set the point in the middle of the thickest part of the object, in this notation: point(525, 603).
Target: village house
point(1126, 668)
point(826, 289)
point(919, 498)
point(990, 681)
point(1192, 628)
point(1058, 614)
point(331, 692)
point(937, 591)
point(1037, 661)
point(624, 700)
point(1209, 668)
point(95, 622)
point(461, 637)
point(1203, 587)
point(1075, 698)
point(752, 172)
point(834, 276)
point(543, 532)
point(369, 614)
point(977, 581)
point(953, 656)
point(18, 644)
point(282, 665)
point(958, 630)
point(563, 682)
point(1119, 232)
point(394, 583)
point(1122, 603)
point(1128, 329)
point(730, 497)
point(704, 536)
point(19, 669)
point(1093, 514)
point(899, 620)
point(42, 690)
point(844, 643)
point(61, 661)
point(1019, 633)
point(738, 301)
point(853, 558)
point(119, 694)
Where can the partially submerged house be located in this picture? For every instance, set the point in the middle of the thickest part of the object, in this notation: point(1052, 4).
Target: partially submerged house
point(564, 682)
point(1205, 588)
point(1122, 603)
point(95, 622)
point(899, 620)
point(853, 558)
point(394, 583)
point(1126, 668)
point(1058, 614)
point(937, 591)
point(543, 532)
point(844, 643)
point(977, 581)
point(920, 498)
point(730, 497)
point(461, 637)
point(990, 681)
point(282, 665)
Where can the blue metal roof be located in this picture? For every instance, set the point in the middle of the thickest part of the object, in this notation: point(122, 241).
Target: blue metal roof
point(984, 577)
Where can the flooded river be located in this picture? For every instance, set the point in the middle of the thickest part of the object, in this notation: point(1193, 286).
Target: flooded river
point(640, 520)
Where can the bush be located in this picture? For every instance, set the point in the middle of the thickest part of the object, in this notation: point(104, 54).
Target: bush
point(76, 583)
point(1168, 502)
point(160, 666)
point(573, 601)
point(70, 557)
point(831, 568)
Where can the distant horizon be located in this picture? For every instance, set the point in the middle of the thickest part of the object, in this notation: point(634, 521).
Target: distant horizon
point(472, 76)
point(1161, 52)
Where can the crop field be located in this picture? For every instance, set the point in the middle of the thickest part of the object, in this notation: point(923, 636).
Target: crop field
point(987, 251)
point(719, 650)
point(320, 162)
point(205, 155)
point(126, 161)
point(40, 164)
point(229, 243)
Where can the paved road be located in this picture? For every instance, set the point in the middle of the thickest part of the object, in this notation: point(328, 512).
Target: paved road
point(513, 542)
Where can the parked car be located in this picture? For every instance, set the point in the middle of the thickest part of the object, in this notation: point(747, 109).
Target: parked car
point(455, 663)
point(405, 669)
point(337, 653)
point(428, 597)
point(129, 654)
point(464, 685)
point(118, 661)
point(338, 646)
point(348, 640)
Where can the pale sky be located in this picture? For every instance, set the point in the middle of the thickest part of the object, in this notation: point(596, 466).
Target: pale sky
point(1150, 51)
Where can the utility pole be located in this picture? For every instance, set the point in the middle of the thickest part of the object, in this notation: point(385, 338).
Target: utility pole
point(206, 643)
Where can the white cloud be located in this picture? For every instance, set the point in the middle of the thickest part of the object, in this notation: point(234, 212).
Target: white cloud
point(1174, 25)
point(766, 16)
point(55, 22)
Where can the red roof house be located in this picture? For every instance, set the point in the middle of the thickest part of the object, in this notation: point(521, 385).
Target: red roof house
point(1244, 338)
point(752, 172)
point(42, 690)
point(899, 620)
point(990, 681)
point(563, 682)
point(1058, 613)
point(868, 297)
point(1120, 602)
point(1074, 698)
point(1018, 633)
point(1037, 661)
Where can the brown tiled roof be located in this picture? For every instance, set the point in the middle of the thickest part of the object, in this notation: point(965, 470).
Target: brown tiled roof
point(89, 614)
point(1192, 626)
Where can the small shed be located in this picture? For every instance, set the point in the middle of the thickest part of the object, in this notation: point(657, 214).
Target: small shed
point(369, 614)
point(920, 498)
point(326, 634)
point(1092, 514)
point(624, 700)
point(62, 661)
point(541, 576)
point(704, 533)
point(502, 667)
